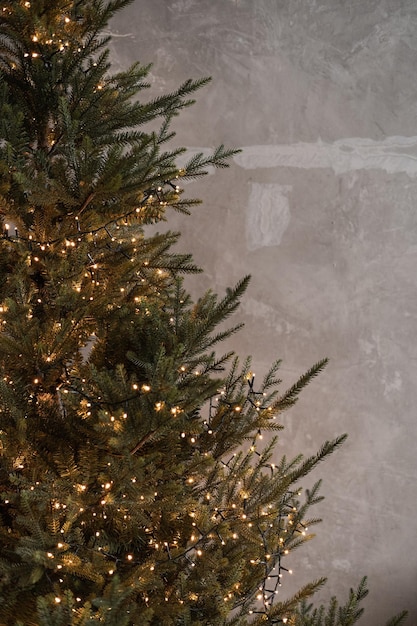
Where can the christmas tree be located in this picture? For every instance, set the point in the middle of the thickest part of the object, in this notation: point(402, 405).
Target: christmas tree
point(135, 487)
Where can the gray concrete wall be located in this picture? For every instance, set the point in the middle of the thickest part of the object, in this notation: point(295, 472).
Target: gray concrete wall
point(320, 207)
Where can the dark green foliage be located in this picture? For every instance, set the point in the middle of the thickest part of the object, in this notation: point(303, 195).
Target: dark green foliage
point(336, 615)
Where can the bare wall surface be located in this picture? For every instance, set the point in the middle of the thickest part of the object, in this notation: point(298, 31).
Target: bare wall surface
point(320, 207)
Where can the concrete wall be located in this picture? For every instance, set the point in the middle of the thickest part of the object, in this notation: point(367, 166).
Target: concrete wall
point(320, 207)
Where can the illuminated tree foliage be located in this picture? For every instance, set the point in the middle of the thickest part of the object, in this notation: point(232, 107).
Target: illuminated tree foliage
point(135, 488)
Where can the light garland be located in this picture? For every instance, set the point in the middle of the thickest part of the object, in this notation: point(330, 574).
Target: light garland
point(273, 568)
point(215, 521)
point(71, 239)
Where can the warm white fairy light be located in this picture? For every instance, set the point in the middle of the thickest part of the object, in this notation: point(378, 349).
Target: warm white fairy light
point(158, 405)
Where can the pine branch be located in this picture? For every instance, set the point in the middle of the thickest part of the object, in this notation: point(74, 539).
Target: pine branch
point(398, 619)
point(310, 463)
point(290, 397)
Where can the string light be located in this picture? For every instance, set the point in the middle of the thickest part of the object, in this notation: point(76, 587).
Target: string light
point(224, 522)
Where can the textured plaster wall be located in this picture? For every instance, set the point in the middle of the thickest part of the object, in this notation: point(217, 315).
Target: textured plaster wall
point(320, 207)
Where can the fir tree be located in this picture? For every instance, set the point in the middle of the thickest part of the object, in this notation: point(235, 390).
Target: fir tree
point(134, 488)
